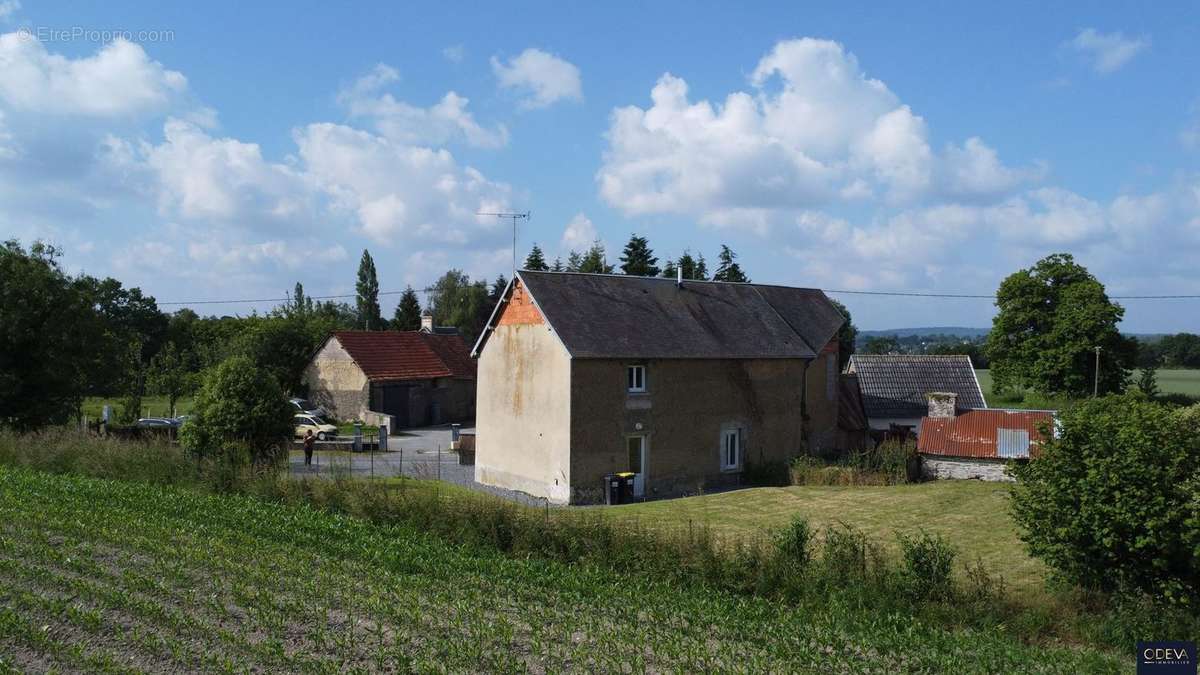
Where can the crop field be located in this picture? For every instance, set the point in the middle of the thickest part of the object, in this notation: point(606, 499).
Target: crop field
point(1176, 381)
point(100, 576)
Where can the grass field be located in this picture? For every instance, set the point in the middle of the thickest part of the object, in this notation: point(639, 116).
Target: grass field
point(100, 576)
point(152, 406)
point(972, 515)
point(1180, 381)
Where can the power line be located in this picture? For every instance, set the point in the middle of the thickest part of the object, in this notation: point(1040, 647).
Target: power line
point(898, 294)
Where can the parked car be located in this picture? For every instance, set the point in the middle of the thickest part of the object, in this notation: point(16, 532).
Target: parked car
point(307, 407)
point(157, 423)
point(323, 430)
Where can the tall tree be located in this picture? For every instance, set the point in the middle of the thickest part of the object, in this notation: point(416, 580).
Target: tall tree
point(169, 374)
point(408, 311)
point(48, 331)
point(299, 304)
point(536, 260)
point(574, 261)
point(558, 265)
point(457, 302)
point(638, 259)
point(670, 270)
point(847, 335)
point(367, 289)
point(1051, 318)
point(728, 269)
point(594, 261)
point(695, 269)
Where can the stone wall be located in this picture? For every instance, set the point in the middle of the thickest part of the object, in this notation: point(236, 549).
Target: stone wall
point(522, 416)
point(965, 468)
point(687, 405)
point(336, 382)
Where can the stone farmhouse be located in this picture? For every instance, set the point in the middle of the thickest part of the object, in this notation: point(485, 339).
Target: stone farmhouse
point(686, 384)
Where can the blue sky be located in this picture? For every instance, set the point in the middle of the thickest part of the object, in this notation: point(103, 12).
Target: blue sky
point(228, 150)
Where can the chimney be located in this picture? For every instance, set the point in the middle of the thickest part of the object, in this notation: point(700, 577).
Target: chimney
point(942, 404)
point(427, 321)
point(679, 277)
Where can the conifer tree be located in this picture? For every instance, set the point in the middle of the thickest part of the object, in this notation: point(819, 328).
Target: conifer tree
point(638, 259)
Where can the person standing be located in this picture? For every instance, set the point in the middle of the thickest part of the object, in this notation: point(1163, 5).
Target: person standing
point(309, 442)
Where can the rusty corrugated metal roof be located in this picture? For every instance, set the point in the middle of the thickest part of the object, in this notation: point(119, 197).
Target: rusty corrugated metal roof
point(388, 355)
point(975, 433)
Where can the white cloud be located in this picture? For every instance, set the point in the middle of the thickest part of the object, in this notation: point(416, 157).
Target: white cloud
point(975, 170)
point(442, 122)
point(397, 191)
point(223, 180)
point(579, 234)
point(1050, 216)
point(8, 8)
point(1107, 52)
point(8, 147)
point(814, 131)
point(454, 53)
point(544, 77)
point(119, 80)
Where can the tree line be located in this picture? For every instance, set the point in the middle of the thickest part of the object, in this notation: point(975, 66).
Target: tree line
point(638, 259)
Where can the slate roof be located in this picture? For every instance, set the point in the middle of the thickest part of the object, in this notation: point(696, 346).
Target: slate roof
point(619, 316)
point(389, 356)
point(894, 385)
point(974, 433)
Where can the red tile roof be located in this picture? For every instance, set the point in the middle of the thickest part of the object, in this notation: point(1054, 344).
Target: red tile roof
point(389, 355)
point(975, 433)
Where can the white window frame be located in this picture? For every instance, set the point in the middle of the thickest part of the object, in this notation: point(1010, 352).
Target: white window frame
point(734, 433)
point(640, 387)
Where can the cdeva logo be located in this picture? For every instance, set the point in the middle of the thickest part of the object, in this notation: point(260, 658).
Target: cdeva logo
point(1166, 658)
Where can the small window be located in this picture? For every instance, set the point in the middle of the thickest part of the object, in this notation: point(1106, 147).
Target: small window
point(635, 377)
point(731, 449)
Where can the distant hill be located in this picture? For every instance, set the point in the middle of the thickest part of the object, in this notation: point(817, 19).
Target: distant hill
point(957, 331)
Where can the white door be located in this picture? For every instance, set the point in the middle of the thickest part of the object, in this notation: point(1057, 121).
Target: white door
point(636, 446)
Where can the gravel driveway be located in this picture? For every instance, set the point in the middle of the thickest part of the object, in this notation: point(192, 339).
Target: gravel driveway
point(418, 453)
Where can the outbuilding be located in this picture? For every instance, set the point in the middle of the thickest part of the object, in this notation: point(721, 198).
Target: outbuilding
point(978, 443)
point(399, 378)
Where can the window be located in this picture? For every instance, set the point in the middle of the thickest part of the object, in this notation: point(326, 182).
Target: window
point(635, 378)
point(731, 449)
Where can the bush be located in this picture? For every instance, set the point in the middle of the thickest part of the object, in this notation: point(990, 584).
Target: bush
point(794, 542)
point(1109, 502)
point(240, 414)
point(890, 463)
point(928, 561)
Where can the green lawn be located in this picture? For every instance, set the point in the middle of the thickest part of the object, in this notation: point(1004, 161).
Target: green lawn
point(152, 406)
point(972, 515)
point(113, 577)
point(1179, 381)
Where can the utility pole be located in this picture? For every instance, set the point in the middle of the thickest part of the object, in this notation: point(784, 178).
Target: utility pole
point(515, 217)
point(1096, 382)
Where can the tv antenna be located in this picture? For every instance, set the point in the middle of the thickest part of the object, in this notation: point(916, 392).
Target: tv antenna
point(515, 217)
